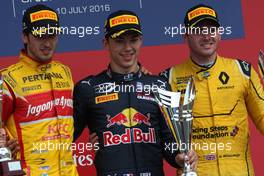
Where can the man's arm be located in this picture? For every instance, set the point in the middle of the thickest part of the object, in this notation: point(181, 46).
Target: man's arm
point(8, 107)
point(255, 100)
point(79, 110)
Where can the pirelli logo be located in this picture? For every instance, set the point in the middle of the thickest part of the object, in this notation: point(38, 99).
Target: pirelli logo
point(106, 98)
point(43, 15)
point(123, 19)
point(201, 11)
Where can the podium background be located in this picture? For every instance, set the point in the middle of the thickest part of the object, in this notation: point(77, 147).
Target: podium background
point(86, 56)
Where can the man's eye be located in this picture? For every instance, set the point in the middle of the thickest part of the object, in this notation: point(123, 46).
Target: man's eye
point(134, 40)
point(118, 41)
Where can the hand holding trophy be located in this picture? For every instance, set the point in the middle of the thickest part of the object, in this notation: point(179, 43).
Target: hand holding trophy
point(8, 166)
point(261, 64)
point(178, 115)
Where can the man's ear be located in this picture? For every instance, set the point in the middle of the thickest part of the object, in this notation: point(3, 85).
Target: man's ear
point(25, 38)
point(141, 38)
point(185, 36)
point(105, 43)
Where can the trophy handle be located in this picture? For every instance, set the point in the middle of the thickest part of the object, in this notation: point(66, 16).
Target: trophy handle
point(189, 93)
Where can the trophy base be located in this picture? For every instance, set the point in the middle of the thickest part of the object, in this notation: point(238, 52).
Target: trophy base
point(189, 174)
point(11, 168)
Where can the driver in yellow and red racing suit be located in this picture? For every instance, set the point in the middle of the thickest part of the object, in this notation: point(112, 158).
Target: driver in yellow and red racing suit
point(227, 90)
point(37, 102)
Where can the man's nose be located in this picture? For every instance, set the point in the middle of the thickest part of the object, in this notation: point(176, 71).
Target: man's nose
point(128, 45)
point(47, 42)
point(207, 36)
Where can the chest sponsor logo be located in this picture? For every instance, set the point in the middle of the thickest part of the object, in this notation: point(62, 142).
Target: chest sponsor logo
point(223, 77)
point(35, 110)
point(41, 76)
point(129, 117)
point(106, 98)
point(134, 135)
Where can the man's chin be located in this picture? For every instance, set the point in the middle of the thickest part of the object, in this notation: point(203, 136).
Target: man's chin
point(208, 52)
point(44, 59)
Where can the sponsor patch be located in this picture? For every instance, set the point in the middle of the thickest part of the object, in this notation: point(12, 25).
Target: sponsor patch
point(31, 88)
point(123, 19)
point(142, 96)
point(210, 157)
point(201, 11)
point(106, 98)
point(43, 15)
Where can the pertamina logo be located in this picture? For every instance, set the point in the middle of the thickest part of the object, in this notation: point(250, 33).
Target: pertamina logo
point(201, 11)
point(129, 117)
point(43, 14)
point(123, 19)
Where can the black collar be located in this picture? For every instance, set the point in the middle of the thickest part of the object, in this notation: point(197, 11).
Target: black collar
point(118, 77)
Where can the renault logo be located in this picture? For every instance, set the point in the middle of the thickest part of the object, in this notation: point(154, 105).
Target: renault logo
point(223, 77)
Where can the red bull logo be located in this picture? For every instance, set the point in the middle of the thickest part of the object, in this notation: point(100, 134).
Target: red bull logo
point(129, 117)
point(118, 119)
point(138, 137)
point(140, 118)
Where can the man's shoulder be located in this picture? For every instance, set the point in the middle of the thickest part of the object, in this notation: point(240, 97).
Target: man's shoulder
point(60, 64)
point(177, 67)
point(151, 77)
point(229, 60)
point(154, 79)
point(14, 68)
point(91, 80)
point(244, 67)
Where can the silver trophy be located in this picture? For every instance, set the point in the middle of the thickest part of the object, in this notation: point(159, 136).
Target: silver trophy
point(8, 166)
point(178, 114)
point(261, 64)
point(5, 153)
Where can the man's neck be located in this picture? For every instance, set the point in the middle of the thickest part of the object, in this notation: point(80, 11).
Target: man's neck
point(200, 60)
point(118, 69)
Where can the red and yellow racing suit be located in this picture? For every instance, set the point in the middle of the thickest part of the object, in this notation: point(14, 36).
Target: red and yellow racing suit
point(37, 110)
point(225, 94)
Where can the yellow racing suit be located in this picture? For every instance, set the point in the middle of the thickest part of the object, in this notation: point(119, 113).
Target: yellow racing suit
point(37, 110)
point(225, 94)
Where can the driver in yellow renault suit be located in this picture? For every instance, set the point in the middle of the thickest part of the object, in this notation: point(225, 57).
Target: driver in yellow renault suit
point(227, 90)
